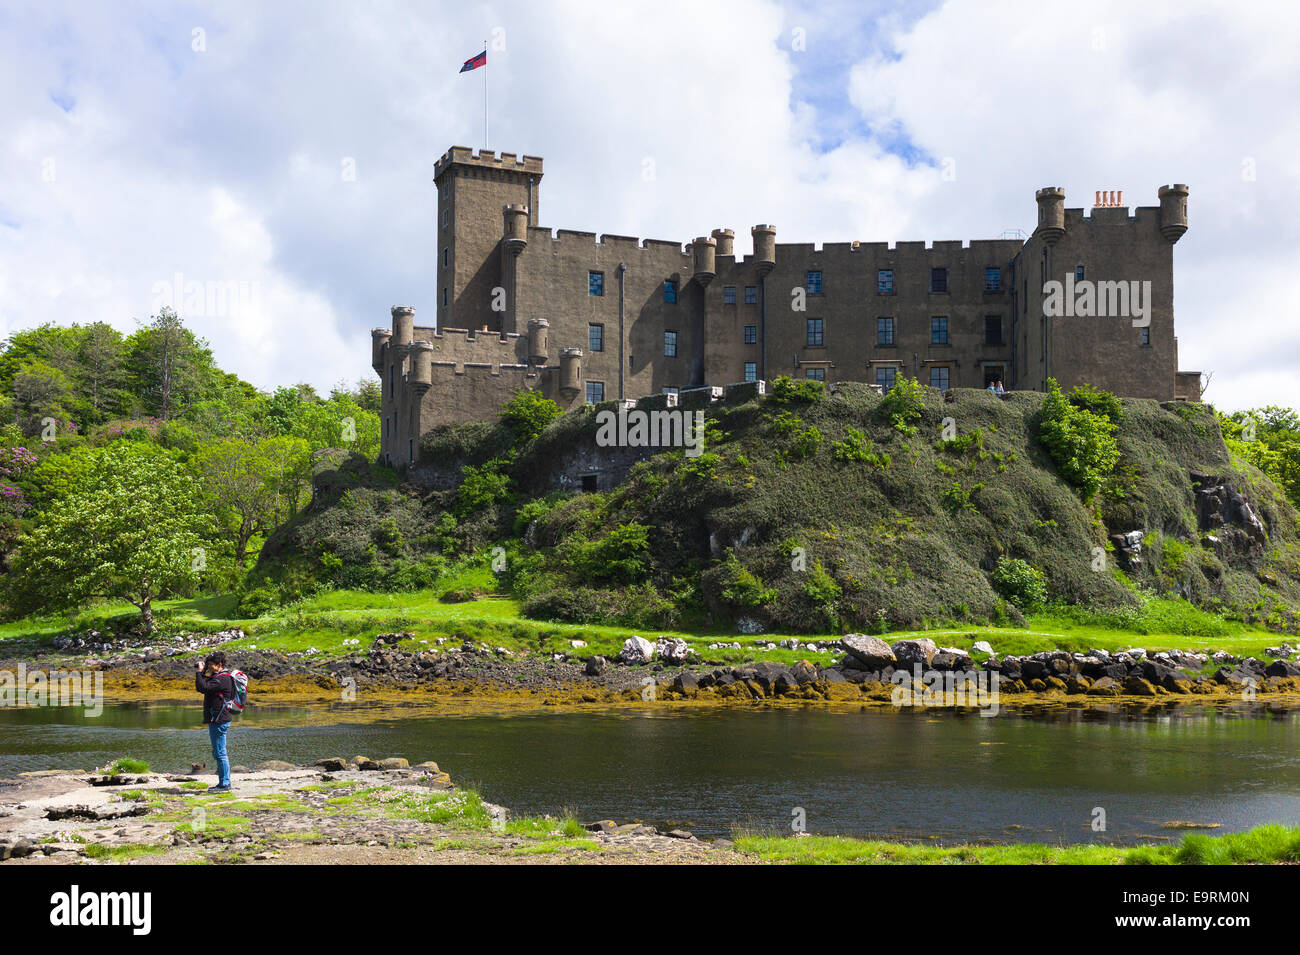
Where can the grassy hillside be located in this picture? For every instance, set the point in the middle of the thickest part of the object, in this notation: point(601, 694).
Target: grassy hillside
point(815, 512)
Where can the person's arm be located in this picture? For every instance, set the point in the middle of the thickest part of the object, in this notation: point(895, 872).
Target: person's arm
point(204, 683)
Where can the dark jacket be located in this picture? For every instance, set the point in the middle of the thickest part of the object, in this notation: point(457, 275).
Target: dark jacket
point(216, 690)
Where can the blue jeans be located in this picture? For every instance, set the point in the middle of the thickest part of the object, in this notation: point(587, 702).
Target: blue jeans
point(217, 733)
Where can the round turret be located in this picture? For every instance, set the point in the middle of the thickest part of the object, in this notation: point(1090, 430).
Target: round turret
point(764, 248)
point(379, 337)
point(403, 324)
point(539, 334)
point(421, 377)
point(703, 251)
point(516, 227)
point(570, 371)
point(726, 239)
point(1051, 214)
point(1173, 211)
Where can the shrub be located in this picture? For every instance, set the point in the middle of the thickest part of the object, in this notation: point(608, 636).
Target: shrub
point(741, 588)
point(787, 390)
point(806, 443)
point(1021, 584)
point(482, 487)
point(528, 413)
point(1080, 442)
point(1096, 400)
point(904, 404)
point(856, 446)
point(622, 556)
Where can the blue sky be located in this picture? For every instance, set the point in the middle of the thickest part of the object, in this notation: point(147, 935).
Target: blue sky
point(142, 140)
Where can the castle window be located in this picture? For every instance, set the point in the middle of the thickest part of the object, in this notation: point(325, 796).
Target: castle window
point(938, 280)
point(392, 380)
point(595, 392)
point(816, 374)
point(410, 450)
point(992, 279)
point(751, 334)
point(751, 371)
point(444, 297)
point(751, 294)
point(992, 329)
point(939, 377)
point(886, 375)
point(670, 344)
point(729, 295)
point(596, 337)
point(814, 284)
point(884, 281)
point(670, 291)
point(444, 218)
point(885, 332)
point(815, 339)
point(1144, 336)
point(1079, 272)
point(444, 258)
point(671, 389)
point(939, 330)
point(595, 283)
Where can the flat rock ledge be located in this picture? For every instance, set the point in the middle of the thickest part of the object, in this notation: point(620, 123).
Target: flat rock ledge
point(339, 810)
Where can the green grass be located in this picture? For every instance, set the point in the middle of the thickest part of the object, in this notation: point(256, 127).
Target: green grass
point(122, 853)
point(325, 622)
point(127, 765)
point(1262, 845)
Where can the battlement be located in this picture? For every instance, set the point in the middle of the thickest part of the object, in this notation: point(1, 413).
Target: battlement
point(472, 335)
point(487, 159)
point(563, 239)
point(450, 372)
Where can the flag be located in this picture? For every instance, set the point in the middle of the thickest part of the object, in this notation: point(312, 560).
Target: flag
point(474, 62)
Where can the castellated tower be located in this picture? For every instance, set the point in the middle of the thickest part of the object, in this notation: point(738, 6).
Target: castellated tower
point(586, 317)
point(473, 190)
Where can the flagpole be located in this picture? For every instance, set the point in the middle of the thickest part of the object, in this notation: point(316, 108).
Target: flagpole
point(485, 96)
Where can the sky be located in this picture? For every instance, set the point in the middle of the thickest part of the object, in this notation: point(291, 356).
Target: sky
point(278, 157)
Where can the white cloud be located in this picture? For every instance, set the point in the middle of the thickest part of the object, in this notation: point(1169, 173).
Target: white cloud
point(227, 164)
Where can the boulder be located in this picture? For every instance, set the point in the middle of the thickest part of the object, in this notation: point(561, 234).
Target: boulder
point(804, 672)
point(637, 650)
point(1282, 668)
point(910, 652)
point(686, 681)
point(595, 666)
point(867, 653)
point(672, 650)
point(394, 762)
point(1105, 686)
point(982, 646)
point(428, 766)
point(1136, 686)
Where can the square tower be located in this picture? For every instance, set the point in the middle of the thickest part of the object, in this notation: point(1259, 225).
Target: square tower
point(473, 189)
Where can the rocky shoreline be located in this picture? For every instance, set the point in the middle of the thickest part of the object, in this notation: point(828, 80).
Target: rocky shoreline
point(355, 810)
point(871, 670)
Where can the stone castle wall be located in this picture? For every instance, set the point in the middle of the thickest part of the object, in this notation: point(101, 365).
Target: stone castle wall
point(499, 272)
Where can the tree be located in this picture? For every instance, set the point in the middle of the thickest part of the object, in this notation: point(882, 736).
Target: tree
point(249, 488)
point(171, 368)
point(126, 530)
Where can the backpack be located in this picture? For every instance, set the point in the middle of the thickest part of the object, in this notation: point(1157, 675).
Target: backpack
point(238, 680)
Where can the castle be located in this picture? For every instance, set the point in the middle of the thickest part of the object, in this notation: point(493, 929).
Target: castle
point(588, 318)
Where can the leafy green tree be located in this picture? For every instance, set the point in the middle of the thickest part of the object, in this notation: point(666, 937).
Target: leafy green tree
point(128, 529)
point(249, 488)
point(1268, 438)
point(528, 413)
point(170, 367)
